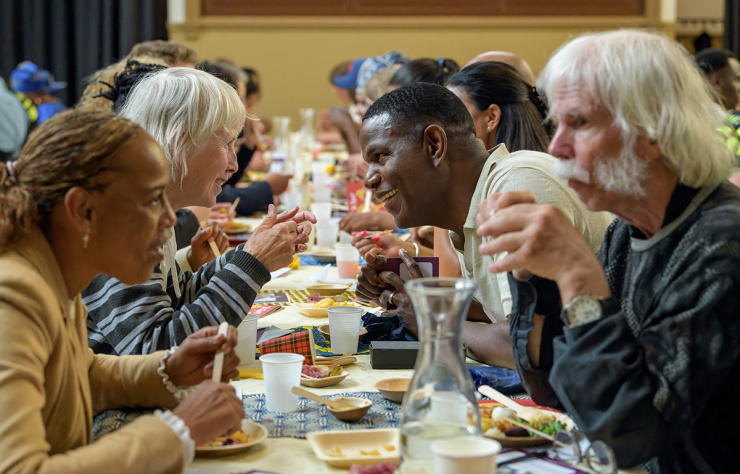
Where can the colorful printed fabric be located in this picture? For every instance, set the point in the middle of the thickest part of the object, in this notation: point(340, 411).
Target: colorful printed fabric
point(300, 342)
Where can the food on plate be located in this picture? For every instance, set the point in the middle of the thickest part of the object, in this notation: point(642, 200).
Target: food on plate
point(329, 302)
point(336, 453)
point(348, 405)
point(372, 452)
point(494, 423)
point(237, 437)
point(319, 372)
point(234, 226)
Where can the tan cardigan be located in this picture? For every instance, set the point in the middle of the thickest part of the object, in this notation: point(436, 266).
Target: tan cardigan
point(51, 383)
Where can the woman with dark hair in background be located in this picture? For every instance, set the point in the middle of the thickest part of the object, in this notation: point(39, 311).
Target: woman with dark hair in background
point(504, 107)
point(436, 71)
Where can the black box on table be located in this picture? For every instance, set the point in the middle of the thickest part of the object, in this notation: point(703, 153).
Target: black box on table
point(393, 354)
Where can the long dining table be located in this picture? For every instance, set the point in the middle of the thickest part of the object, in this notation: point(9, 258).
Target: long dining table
point(289, 454)
point(286, 454)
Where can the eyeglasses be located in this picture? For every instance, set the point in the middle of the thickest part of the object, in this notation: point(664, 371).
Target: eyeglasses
point(569, 447)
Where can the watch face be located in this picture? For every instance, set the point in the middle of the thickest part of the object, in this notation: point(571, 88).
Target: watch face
point(584, 308)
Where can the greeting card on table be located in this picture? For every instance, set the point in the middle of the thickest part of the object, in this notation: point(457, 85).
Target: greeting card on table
point(261, 311)
point(429, 267)
point(270, 298)
point(355, 196)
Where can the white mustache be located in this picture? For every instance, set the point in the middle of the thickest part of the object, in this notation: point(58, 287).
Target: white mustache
point(568, 169)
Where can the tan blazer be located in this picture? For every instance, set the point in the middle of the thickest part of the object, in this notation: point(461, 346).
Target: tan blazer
point(51, 383)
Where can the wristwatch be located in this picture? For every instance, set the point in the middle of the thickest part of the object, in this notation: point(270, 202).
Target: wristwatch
point(581, 310)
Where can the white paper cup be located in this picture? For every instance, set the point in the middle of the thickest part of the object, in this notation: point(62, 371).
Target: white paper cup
point(465, 455)
point(322, 211)
point(282, 372)
point(247, 340)
point(348, 260)
point(344, 326)
point(326, 235)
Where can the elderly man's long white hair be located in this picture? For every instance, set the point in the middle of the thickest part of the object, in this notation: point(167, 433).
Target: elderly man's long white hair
point(652, 87)
point(182, 108)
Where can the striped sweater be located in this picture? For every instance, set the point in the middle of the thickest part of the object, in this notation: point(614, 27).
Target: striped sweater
point(141, 319)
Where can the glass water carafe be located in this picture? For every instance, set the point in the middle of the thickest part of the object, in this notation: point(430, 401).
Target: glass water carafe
point(440, 402)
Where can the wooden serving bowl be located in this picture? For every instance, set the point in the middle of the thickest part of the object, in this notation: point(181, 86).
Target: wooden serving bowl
point(393, 389)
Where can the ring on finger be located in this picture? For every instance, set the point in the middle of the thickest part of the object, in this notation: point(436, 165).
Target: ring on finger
point(390, 297)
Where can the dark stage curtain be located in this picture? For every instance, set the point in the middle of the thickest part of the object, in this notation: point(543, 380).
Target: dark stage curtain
point(74, 38)
point(732, 26)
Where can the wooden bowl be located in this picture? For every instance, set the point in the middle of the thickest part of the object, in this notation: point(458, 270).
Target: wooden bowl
point(324, 330)
point(393, 389)
point(362, 406)
point(327, 289)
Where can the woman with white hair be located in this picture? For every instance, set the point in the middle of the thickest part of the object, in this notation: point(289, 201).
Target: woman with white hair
point(196, 118)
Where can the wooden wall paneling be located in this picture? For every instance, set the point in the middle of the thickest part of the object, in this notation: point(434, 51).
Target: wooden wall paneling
point(275, 7)
point(403, 8)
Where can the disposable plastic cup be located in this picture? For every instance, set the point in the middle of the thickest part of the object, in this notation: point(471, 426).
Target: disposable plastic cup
point(449, 406)
point(282, 372)
point(247, 340)
point(326, 235)
point(291, 200)
point(322, 211)
point(321, 193)
point(465, 454)
point(348, 261)
point(344, 326)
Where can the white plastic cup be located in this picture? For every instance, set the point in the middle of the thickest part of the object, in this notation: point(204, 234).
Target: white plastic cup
point(348, 261)
point(449, 406)
point(282, 372)
point(344, 327)
point(326, 235)
point(291, 200)
point(247, 340)
point(322, 211)
point(465, 455)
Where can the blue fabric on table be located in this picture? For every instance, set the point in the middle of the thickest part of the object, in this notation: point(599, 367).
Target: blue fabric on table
point(308, 259)
point(313, 416)
point(384, 328)
point(506, 381)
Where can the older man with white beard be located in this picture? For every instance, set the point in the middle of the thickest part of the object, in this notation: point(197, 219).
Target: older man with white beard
point(639, 344)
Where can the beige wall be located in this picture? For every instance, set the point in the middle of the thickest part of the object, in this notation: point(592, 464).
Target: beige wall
point(294, 56)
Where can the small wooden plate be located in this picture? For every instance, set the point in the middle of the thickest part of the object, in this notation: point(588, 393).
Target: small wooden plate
point(256, 432)
point(327, 289)
point(322, 382)
point(307, 309)
point(342, 448)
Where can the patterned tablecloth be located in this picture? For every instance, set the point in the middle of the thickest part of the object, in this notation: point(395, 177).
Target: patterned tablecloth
point(313, 416)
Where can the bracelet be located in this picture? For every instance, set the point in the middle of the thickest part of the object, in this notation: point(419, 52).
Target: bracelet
point(180, 393)
point(181, 430)
point(416, 247)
